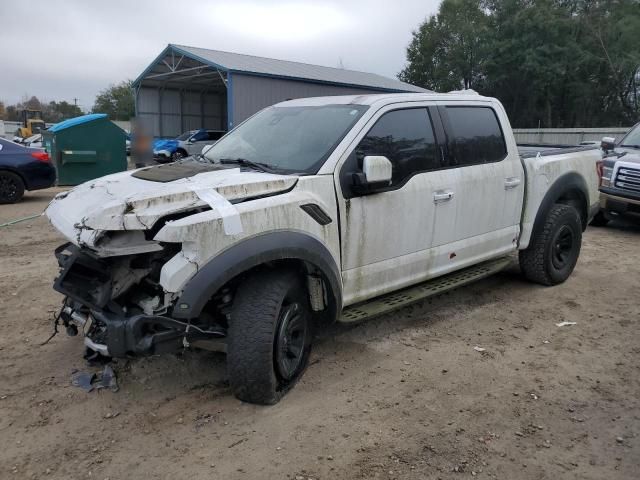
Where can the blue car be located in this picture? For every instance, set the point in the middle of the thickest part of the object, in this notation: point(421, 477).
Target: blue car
point(189, 143)
point(23, 168)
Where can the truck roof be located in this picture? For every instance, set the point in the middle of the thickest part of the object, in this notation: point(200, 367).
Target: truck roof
point(384, 98)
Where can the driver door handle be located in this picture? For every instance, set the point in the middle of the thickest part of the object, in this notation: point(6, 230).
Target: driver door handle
point(511, 182)
point(443, 196)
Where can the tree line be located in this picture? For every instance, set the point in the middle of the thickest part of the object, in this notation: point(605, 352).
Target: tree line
point(52, 112)
point(552, 63)
point(116, 101)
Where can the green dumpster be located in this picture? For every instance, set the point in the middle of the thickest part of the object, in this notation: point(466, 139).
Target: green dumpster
point(86, 147)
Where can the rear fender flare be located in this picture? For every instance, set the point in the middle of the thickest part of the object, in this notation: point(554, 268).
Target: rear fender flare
point(567, 183)
point(254, 252)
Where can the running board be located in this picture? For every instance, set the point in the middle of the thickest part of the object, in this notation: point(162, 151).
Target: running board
point(402, 298)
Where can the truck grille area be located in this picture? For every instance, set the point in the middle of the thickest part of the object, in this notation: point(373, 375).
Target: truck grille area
point(628, 179)
point(98, 283)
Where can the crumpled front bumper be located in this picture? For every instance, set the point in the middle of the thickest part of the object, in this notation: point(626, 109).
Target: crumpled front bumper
point(120, 336)
point(113, 328)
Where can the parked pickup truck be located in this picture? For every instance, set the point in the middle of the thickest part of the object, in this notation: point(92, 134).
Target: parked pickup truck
point(312, 211)
point(620, 178)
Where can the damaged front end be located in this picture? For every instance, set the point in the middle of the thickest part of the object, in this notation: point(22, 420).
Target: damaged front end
point(136, 238)
point(119, 305)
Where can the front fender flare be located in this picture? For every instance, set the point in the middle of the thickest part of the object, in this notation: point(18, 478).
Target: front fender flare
point(251, 253)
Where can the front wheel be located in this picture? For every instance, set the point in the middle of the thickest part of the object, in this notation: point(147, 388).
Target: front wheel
point(177, 155)
point(269, 337)
point(554, 250)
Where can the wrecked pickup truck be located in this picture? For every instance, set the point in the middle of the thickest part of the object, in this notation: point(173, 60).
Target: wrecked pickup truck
point(313, 211)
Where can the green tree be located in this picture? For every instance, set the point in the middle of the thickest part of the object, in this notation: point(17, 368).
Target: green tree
point(11, 114)
point(447, 51)
point(55, 112)
point(552, 63)
point(3, 112)
point(116, 101)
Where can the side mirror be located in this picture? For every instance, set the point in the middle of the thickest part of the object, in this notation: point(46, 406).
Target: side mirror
point(376, 174)
point(608, 143)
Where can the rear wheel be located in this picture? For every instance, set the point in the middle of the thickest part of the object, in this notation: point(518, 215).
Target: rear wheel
point(269, 337)
point(554, 250)
point(11, 187)
point(600, 220)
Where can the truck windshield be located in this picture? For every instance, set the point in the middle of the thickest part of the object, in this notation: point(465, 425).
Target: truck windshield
point(632, 139)
point(288, 139)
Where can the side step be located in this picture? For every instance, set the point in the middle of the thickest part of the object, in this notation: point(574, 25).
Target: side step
point(402, 298)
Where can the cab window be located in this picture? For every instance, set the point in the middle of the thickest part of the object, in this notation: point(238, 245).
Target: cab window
point(406, 138)
point(199, 136)
point(475, 136)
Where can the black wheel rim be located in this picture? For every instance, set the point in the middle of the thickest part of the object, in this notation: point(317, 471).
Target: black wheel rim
point(8, 187)
point(562, 249)
point(291, 340)
point(177, 155)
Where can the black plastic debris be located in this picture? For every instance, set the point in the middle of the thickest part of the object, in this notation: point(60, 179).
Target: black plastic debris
point(88, 381)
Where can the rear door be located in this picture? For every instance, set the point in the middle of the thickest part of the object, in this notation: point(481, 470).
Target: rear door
point(487, 188)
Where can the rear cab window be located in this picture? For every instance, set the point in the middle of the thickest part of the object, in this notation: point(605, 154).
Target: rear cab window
point(474, 135)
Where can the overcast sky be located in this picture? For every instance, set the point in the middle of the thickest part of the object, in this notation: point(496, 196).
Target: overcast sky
point(73, 49)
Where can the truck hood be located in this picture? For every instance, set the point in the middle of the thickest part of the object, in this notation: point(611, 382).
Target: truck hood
point(631, 155)
point(123, 201)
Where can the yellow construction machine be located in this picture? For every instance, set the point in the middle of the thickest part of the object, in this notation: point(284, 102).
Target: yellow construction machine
point(32, 123)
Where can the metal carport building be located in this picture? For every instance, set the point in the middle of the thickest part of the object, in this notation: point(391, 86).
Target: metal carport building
point(187, 88)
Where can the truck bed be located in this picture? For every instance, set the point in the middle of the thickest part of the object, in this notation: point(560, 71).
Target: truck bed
point(528, 150)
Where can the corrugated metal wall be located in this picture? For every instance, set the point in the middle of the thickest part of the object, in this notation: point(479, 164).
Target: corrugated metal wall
point(566, 136)
point(171, 112)
point(251, 93)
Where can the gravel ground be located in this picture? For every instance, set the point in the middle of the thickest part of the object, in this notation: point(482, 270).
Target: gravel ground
point(405, 396)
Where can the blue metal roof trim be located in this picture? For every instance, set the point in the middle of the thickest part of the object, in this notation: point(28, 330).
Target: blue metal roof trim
point(72, 122)
point(177, 49)
point(151, 65)
point(198, 58)
point(399, 86)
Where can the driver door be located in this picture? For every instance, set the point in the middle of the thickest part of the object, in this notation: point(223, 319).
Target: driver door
point(386, 236)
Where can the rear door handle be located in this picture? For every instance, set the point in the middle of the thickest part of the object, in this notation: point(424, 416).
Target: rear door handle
point(511, 182)
point(443, 196)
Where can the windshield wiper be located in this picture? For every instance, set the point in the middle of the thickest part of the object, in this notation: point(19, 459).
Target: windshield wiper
point(263, 167)
point(631, 146)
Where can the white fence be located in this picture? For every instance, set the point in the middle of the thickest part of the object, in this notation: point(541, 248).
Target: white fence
point(8, 129)
point(566, 136)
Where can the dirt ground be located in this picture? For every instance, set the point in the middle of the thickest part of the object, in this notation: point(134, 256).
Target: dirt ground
point(405, 396)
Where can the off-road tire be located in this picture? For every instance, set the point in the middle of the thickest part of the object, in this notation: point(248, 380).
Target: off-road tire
point(600, 220)
point(11, 187)
point(256, 316)
point(540, 263)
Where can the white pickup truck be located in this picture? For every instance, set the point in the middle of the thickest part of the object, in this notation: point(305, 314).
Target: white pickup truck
point(314, 210)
